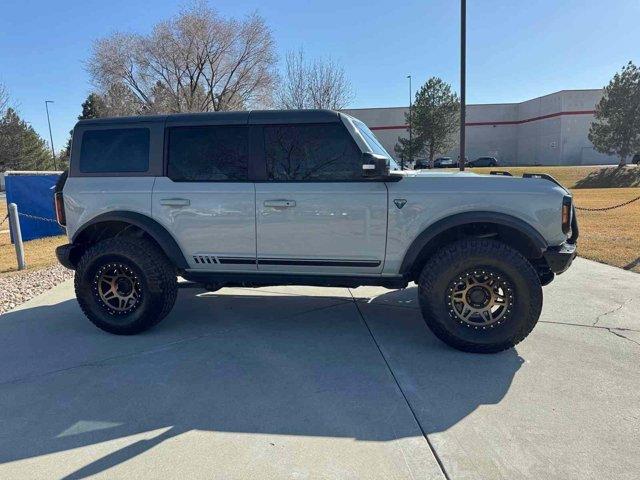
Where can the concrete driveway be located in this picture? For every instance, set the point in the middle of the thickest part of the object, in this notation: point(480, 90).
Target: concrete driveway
point(323, 383)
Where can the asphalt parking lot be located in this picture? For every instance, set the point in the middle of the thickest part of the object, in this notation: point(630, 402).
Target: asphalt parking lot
point(323, 383)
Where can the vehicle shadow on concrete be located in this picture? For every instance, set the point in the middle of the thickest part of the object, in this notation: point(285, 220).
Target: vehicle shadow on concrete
point(275, 365)
point(443, 385)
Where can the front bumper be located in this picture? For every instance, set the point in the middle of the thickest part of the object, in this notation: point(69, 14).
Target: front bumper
point(65, 254)
point(560, 257)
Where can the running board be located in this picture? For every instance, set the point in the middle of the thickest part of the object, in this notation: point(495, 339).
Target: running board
point(243, 279)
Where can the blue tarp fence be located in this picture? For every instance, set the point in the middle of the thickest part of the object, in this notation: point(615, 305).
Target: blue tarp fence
point(33, 193)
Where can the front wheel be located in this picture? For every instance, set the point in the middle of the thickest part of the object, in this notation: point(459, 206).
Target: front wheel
point(480, 296)
point(125, 285)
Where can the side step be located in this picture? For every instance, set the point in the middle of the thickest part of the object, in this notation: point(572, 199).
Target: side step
point(215, 280)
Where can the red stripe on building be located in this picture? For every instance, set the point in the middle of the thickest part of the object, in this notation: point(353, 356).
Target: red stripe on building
point(542, 117)
point(509, 122)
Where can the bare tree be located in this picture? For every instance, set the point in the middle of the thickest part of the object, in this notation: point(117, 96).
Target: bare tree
point(293, 92)
point(320, 83)
point(193, 62)
point(329, 86)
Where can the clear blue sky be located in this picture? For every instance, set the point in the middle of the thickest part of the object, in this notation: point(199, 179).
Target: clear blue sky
point(516, 49)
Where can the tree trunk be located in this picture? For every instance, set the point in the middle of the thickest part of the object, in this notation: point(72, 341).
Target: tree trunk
point(431, 155)
point(623, 161)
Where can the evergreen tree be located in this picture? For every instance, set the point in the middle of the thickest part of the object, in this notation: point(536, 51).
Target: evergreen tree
point(616, 128)
point(92, 107)
point(435, 116)
point(408, 151)
point(21, 148)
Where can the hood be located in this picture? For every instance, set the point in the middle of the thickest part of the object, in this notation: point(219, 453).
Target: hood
point(469, 181)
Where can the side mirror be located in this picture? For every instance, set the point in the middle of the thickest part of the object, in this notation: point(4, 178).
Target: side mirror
point(374, 166)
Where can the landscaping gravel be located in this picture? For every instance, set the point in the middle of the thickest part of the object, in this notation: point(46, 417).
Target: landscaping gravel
point(19, 287)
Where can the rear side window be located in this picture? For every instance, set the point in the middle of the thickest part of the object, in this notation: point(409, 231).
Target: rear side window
point(311, 153)
point(115, 150)
point(208, 153)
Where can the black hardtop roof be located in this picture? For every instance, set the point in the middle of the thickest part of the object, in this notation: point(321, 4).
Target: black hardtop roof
point(249, 117)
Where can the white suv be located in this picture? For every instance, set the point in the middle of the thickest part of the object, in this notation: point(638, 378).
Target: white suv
point(301, 198)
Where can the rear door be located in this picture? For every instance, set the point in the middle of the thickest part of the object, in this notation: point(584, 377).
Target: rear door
point(206, 199)
point(315, 214)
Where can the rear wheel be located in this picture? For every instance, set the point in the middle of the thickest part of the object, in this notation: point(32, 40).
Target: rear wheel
point(125, 285)
point(480, 296)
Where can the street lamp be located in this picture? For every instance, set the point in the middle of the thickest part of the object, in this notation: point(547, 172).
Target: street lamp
point(53, 152)
point(410, 126)
point(463, 80)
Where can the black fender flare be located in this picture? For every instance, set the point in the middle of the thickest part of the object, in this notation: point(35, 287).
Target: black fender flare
point(465, 218)
point(147, 224)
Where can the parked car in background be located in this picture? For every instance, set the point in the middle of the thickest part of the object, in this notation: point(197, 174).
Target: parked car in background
point(636, 159)
point(443, 162)
point(421, 164)
point(483, 162)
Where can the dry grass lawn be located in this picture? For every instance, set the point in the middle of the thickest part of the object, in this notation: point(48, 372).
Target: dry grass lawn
point(611, 237)
point(38, 253)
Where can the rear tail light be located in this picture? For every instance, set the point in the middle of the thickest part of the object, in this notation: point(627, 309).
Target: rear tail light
point(566, 214)
point(59, 205)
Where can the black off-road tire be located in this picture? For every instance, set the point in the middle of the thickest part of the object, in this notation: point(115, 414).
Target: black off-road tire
point(448, 264)
point(147, 264)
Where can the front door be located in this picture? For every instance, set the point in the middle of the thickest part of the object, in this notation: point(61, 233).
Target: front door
point(206, 200)
point(314, 214)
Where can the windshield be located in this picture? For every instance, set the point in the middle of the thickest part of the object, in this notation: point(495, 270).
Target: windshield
point(374, 144)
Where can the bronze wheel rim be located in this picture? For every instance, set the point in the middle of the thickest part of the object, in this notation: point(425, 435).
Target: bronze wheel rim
point(117, 288)
point(480, 298)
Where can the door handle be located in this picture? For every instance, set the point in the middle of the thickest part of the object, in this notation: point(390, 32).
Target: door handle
point(280, 203)
point(175, 202)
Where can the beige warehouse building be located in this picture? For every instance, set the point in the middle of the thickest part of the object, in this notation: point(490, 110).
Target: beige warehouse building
point(548, 130)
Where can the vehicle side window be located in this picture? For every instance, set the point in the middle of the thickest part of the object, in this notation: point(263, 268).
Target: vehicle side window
point(208, 153)
point(322, 152)
point(115, 150)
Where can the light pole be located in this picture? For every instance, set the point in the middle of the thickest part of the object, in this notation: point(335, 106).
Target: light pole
point(463, 80)
point(53, 152)
point(410, 125)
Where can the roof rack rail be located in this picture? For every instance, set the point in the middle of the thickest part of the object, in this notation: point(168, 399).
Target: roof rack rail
point(503, 173)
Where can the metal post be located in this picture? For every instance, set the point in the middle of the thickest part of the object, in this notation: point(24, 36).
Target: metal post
point(14, 223)
point(410, 125)
point(463, 80)
point(46, 105)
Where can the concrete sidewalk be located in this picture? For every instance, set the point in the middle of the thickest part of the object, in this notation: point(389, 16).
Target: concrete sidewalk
point(323, 383)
